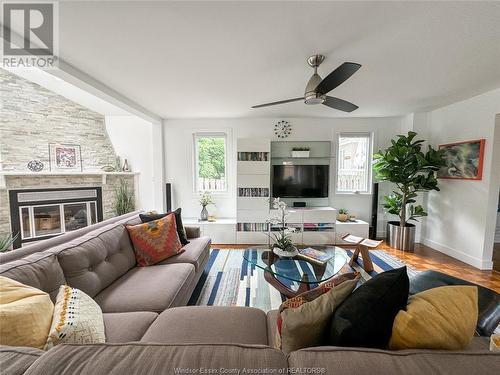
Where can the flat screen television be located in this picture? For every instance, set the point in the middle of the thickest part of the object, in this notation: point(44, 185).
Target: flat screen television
point(300, 181)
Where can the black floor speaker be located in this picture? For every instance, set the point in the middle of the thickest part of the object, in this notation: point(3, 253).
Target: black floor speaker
point(168, 193)
point(373, 223)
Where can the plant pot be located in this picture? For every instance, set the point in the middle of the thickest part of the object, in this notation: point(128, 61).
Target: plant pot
point(300, 154)
point(285, 254)
point(204, 214)
point(401, 238)
point(342, 217)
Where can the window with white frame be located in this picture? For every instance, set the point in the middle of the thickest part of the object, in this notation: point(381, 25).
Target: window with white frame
point(210, 151)
point(354, 152)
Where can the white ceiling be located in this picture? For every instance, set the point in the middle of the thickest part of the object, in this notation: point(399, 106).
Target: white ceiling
point(216, 59)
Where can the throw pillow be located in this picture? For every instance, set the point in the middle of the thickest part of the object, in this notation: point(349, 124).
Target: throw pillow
point(155, 241)
point(366, 316)
point(25, 314)
point(304, 326)
point(145, 218)
point(438, 318)
point(309, 296)
point(77, 319)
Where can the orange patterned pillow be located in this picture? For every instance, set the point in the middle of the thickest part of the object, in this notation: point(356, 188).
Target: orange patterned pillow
point(155, 241)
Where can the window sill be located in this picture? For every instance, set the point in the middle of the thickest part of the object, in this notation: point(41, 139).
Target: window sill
point(224, 195)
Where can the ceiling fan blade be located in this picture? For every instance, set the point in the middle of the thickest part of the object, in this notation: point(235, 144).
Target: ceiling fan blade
point(341, 105)
point(280, 102)
point(337, 77)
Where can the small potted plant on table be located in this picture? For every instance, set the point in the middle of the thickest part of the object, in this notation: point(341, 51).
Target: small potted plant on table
point(343, 215)
point(282, 242)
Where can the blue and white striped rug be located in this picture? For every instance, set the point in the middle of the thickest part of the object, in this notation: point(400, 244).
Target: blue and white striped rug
point(229, 280)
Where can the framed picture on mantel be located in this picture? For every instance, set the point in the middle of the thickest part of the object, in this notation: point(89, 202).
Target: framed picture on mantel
point(65, 157)
point(464, 160)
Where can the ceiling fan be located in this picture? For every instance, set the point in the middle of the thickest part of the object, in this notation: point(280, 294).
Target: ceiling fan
point(317, 88)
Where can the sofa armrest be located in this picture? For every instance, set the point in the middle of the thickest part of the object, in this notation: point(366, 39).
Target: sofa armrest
point(192, 232)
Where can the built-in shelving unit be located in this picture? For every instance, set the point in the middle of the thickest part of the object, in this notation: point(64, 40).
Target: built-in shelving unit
point(253, 190)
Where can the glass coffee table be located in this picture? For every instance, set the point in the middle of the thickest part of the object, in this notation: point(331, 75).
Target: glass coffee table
point(297, 270)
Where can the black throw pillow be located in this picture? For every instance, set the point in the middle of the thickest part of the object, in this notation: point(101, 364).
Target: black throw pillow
point(365, 318)
point(178, 222)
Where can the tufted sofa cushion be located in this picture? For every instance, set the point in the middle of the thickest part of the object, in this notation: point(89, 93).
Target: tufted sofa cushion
point(95, 260)
point(39, 270)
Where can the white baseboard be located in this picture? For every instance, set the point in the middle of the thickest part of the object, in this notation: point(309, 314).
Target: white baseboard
point(466, 258)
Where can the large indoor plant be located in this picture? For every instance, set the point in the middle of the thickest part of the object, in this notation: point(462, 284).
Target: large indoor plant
point(412, 171)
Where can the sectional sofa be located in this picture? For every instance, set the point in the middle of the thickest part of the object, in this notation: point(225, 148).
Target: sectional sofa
point(149, 330)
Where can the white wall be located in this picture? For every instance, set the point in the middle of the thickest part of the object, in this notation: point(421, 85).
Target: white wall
point(136, 140)
point(462, 215)
point(179, 155)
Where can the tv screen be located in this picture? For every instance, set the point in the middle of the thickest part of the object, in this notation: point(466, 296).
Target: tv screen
point(300, 181)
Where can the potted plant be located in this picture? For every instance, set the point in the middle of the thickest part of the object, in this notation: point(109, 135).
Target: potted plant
point(205, 200)
point(412, 171)
point(300, 152)
point(343, 215)
point(282, 242)
point(6, 241)
point(124, 198)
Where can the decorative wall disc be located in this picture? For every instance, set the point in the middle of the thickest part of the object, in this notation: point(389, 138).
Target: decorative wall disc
point(35, 165)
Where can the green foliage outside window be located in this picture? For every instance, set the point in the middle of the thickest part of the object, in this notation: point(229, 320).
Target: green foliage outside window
point(211, 157)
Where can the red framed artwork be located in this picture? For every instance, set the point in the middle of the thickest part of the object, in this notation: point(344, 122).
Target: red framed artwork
point(464, 160)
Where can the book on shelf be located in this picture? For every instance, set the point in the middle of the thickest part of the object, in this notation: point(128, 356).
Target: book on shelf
point(356, 240)
point(314, 255)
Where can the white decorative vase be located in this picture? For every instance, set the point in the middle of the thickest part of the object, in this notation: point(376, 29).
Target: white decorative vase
point(285, 254)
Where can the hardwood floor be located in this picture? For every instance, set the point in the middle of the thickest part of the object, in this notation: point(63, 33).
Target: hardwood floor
point(426, 258)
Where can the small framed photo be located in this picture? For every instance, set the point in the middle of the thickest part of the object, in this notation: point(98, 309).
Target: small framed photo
point(65, 157)
point(464, 160)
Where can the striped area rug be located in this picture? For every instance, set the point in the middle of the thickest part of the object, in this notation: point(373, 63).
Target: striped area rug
point(229, 280)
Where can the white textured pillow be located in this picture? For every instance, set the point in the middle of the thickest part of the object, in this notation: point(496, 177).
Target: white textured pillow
point(77, 319)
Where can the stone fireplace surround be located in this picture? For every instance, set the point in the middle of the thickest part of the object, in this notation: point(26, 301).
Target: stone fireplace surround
point(107, 181)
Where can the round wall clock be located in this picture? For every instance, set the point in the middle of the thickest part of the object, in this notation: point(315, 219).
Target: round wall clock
point(282, 129)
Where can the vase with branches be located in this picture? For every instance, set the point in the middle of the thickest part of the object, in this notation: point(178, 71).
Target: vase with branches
point(205, 199)
point(412, 171)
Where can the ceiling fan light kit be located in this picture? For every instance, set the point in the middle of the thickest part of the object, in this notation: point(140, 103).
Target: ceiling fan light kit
point(317, 88)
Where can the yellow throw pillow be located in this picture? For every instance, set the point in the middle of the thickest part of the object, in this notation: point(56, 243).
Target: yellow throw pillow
point(25, 314)
point(77, 319)
point(438, 318)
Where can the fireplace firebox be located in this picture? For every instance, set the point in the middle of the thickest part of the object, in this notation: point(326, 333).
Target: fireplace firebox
point(44, 213)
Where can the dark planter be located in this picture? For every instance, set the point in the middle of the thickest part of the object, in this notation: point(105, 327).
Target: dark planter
point(401, 238)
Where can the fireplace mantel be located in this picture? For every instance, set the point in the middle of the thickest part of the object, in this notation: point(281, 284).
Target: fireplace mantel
point(102, 174)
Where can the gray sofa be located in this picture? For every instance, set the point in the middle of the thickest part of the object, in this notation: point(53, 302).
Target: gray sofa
point(150, 331)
